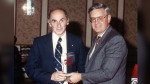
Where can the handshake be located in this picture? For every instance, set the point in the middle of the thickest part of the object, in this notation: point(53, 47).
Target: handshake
point(73, 77)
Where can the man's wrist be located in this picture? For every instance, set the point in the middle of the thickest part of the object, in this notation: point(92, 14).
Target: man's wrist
point(80, 76)
point(52, 78)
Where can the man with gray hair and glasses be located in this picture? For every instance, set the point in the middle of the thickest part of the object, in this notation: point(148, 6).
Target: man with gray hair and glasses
point(106, 59)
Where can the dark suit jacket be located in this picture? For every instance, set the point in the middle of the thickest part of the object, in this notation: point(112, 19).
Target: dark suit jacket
point(108, 62)
point(40, 65)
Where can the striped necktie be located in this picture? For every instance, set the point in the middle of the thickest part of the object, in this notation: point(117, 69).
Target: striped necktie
point(58, 52)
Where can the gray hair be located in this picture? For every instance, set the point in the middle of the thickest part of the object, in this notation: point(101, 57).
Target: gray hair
point(98, 6)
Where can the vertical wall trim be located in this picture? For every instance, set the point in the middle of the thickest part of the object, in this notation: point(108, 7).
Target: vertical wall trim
point(88, 25)
point(120, 9)
point(44, 17)
point(15, 14)
point(47, 16)
point(85, 22)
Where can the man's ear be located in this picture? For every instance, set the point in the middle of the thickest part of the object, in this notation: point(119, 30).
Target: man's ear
point(109, 18)
point(68, 21)
point(49, 23)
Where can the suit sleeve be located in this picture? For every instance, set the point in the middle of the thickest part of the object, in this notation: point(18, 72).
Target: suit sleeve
point(33, 68)
point(115, 52)
point(82, 57)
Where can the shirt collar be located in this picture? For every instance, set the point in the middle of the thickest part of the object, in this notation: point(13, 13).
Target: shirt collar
point(57, 37)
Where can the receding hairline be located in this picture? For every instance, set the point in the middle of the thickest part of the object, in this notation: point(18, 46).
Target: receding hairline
point(58, 9)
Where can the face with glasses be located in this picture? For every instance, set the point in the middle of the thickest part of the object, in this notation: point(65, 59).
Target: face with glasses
point(58, 21)
point(99, 20)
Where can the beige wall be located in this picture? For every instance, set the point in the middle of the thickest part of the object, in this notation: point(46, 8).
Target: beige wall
point(29, 27)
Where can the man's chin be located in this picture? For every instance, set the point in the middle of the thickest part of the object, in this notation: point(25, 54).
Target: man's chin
point(97, 31)
point(59, 33)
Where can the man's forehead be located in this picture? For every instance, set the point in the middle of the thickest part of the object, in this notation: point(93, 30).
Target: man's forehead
point(58, 11)
point(97, 12)
point(57, 14)
point(57, 17)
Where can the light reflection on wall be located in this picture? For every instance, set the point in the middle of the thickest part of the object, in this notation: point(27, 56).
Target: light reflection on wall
point(28, 7)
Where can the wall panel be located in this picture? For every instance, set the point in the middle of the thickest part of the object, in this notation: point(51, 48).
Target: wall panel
point(130, 21)
point(27, 27)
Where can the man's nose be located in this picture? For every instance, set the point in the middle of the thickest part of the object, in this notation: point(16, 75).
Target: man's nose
point(59, 24)
point(96, 20)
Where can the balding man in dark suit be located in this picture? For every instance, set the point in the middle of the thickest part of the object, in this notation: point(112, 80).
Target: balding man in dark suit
point(44, 65)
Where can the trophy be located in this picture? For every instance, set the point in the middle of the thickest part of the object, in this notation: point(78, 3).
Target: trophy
point(67, 60)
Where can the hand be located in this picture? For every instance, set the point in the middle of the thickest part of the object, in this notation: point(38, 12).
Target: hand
point(58, 76)
point(75, 77)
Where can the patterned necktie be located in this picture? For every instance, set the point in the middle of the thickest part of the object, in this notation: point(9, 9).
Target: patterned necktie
point(58, 52)
point(98, 39)
point(96, 43)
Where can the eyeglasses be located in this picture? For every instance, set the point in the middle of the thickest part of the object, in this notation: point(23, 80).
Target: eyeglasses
point(100, 18)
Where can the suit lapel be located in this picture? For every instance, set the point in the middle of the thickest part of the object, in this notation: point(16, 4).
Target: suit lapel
point(45, 48)
point(70, 43)
point(49, 47)
point(90, 51)
point(70, 48)
point(102, 42)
